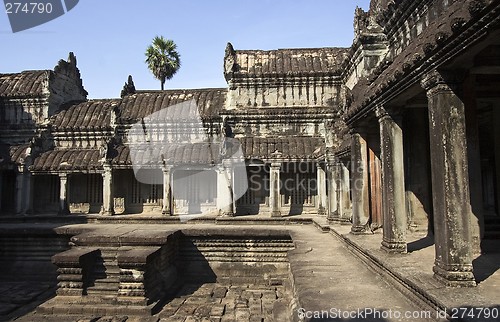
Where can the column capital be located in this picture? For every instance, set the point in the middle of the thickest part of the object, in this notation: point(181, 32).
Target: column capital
point(442, 80)
point(384, 114)
point(331, 160)
point(166, 168)
point(381, 113)
point(276, 165)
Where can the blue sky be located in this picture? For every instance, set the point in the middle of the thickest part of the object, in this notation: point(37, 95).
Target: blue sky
point(109, 38)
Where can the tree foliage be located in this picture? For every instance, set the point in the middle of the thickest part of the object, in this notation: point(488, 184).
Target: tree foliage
point(162, 59)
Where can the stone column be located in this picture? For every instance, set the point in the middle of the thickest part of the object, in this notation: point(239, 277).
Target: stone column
point(20, 183)
point(496, 120)
point(224, 191)
point(450, 182)
point(167, 205)
point(63, 194)
point(393, 185)
point(107, 191)
point(29, 190)
point(344, 193)
point(332, 179)
point(274, 190)
point(359, 174)
point(320, 173)
point(1, 183)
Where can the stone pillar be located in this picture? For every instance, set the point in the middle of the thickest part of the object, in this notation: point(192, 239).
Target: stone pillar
point(225, 191)
point(63, 194)
point(450, 181)
point(274, 190)
point(30, 188)
point(107, 191)
point(496, 120)
point(393, 184)
point(167, 205)
point(332, 179)
point(20, 183)
point(1, 183)
point(360, 184)
point(344, 194)
point(320, 173)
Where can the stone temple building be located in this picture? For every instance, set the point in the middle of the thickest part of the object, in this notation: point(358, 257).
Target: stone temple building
point(394, 133)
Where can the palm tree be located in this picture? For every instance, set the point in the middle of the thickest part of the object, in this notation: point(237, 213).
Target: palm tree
point(163, 59)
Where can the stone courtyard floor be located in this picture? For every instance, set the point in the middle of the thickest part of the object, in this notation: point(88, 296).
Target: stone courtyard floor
point(336, 277)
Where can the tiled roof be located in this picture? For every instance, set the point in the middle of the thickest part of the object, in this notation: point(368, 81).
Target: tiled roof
point(68, 159)
point(25, 84)
point(175, 153)
point(91, 115)
point(286, 62)
point(283, 148)
point(12, 154)
point(143, 103)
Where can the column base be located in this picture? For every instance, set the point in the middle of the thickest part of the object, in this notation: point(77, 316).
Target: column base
point(226, 214)
point(107, 213)
point(459, 276)
point(275, 214)
point(394, 247)
point(334, 216)
point(361, 230)
point(166, 213)
point(321, 211)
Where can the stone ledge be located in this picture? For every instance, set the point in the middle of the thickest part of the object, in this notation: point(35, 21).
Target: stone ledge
point(432, 295)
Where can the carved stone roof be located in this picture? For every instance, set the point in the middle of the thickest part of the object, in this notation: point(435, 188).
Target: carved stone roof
point(90, 115)
point(25, 84)
point(143, 103)
point(416, 54)
point(283, 148)
point(175, 153)
point(68, 159)
point(284, 62)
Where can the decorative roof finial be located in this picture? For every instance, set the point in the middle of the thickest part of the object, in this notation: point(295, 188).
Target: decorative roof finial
point(128, 88)
point(72, 58)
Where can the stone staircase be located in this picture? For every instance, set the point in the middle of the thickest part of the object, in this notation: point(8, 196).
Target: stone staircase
point(137, 272)
point(107, 276)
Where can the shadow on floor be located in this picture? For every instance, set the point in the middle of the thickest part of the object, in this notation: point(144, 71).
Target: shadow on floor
point(420, 244)
point(488, 262)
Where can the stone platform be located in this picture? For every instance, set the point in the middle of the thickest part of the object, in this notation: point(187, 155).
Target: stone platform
point(331, 272)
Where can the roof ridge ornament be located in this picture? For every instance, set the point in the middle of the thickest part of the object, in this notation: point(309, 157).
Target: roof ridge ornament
point(128, 88)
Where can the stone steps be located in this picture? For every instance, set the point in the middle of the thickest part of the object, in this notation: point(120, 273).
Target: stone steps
point(107, 272)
